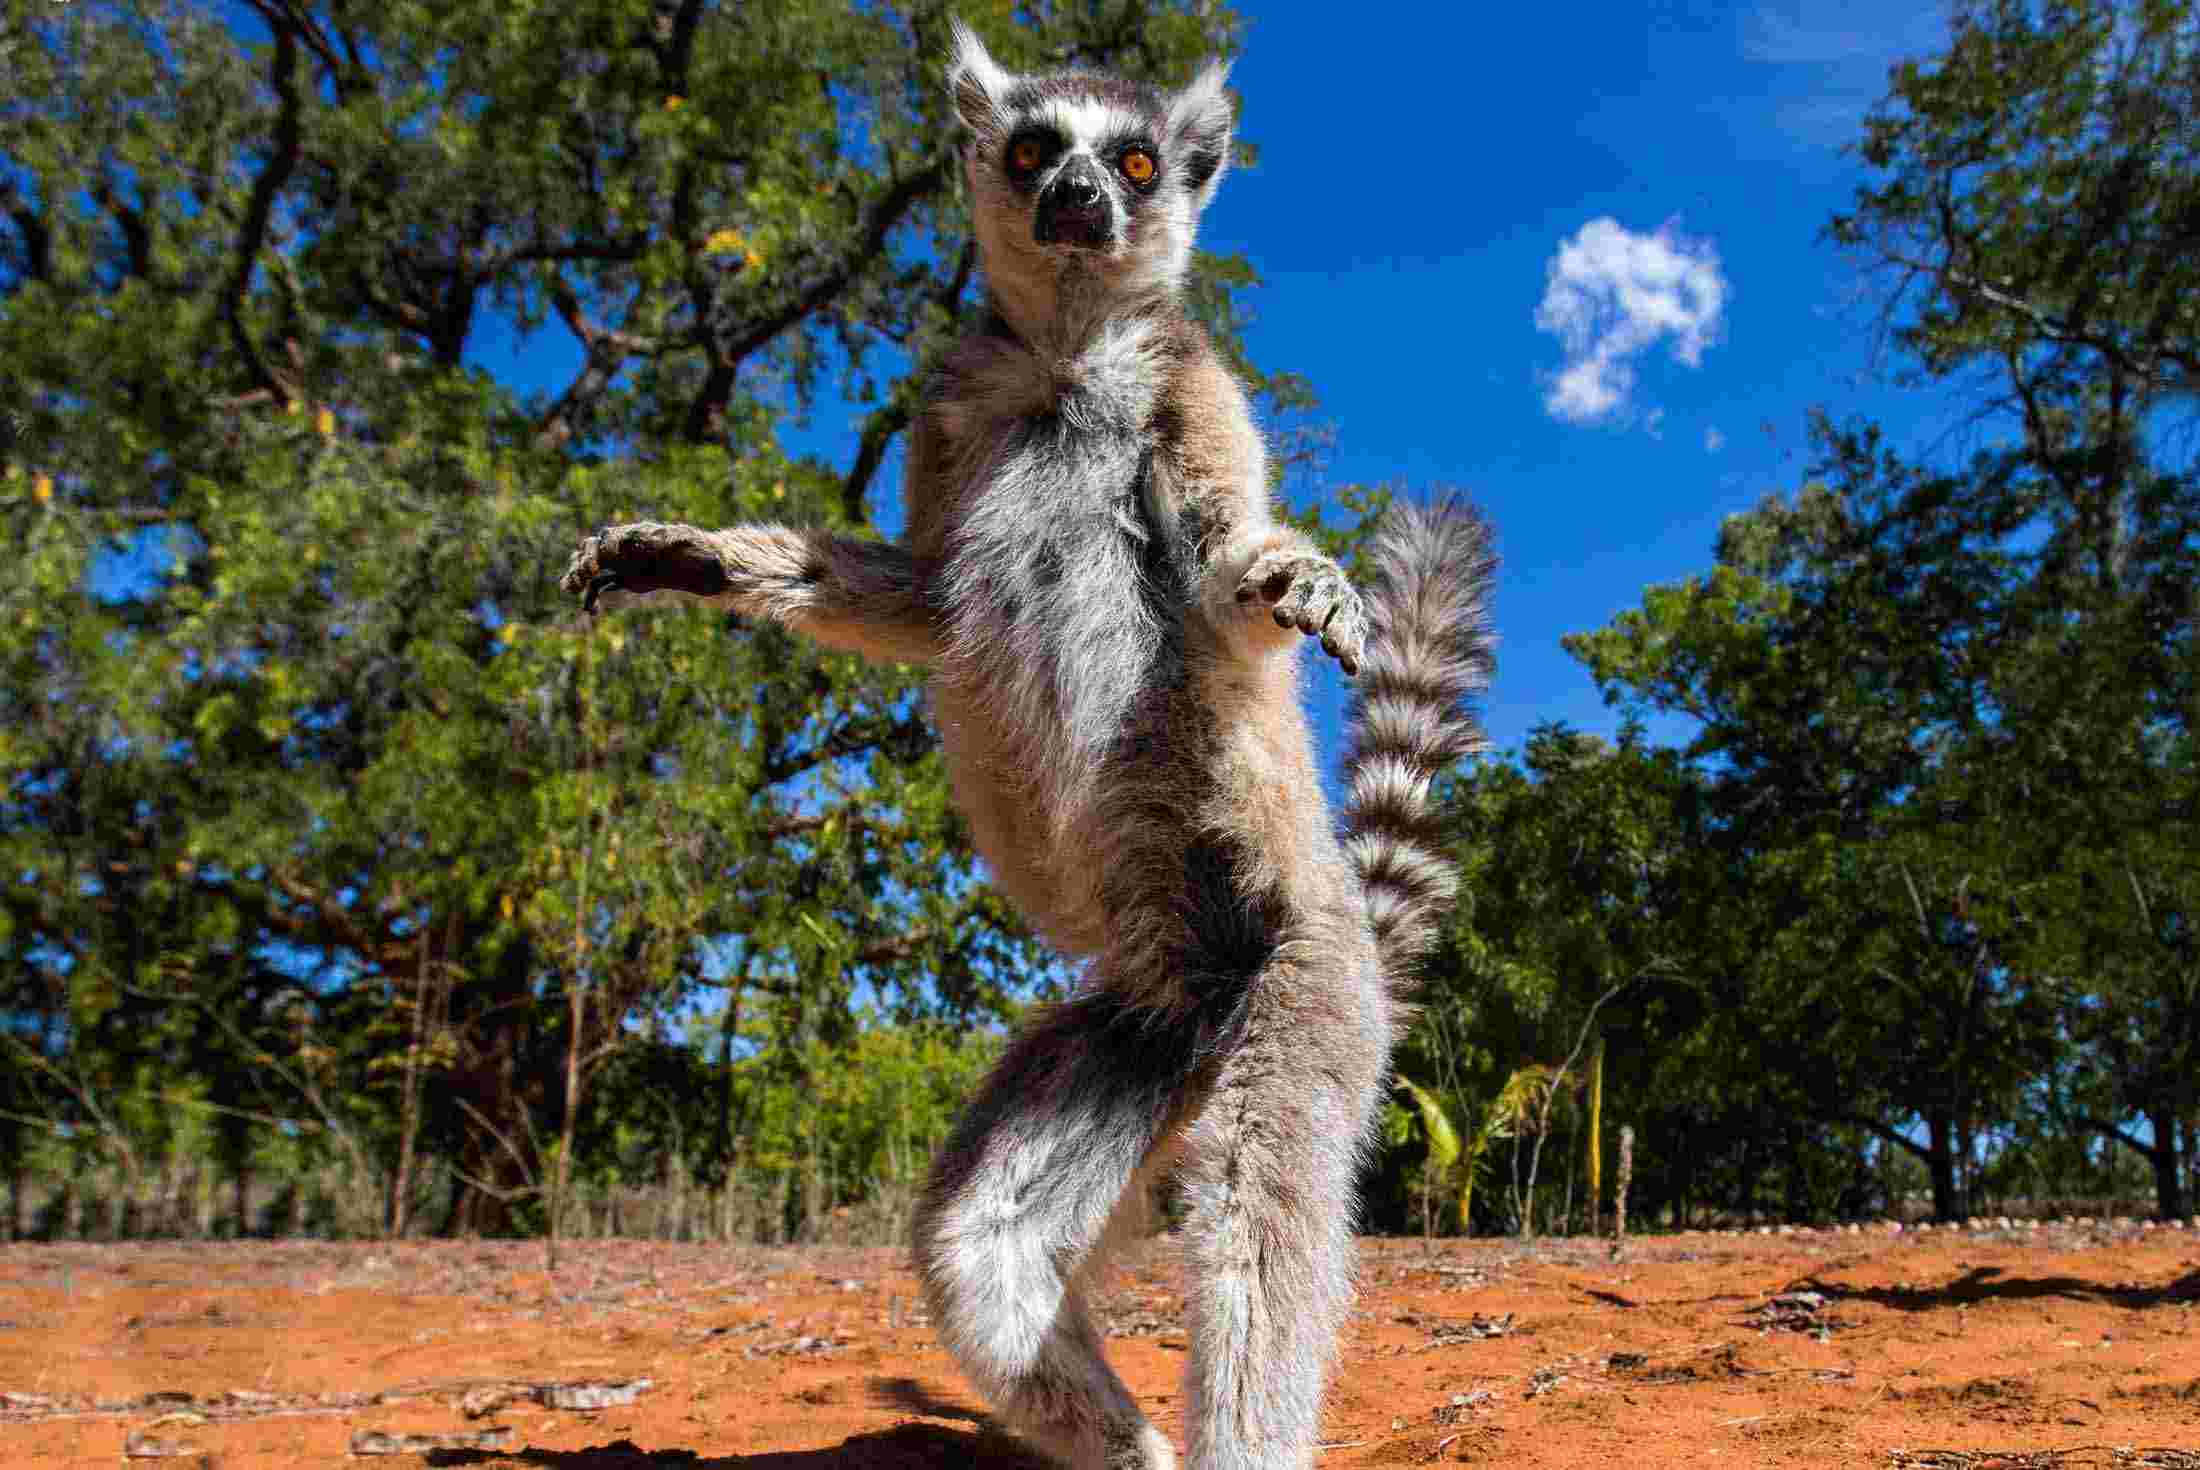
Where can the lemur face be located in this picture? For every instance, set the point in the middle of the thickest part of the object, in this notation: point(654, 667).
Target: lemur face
point(1079, 167)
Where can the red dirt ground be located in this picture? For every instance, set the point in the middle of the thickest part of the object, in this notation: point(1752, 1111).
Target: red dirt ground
point(2072, 1344)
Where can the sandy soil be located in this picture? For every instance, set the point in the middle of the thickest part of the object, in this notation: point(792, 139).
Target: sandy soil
point(2065, 1345)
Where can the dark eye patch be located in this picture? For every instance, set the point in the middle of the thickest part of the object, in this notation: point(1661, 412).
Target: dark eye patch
point(1028, 151)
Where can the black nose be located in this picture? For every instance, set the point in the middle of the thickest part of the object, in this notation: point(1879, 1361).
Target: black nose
point(1076, 190)
point(1072, 209)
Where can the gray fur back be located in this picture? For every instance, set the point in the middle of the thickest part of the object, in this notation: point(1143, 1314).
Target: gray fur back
point(1428, 653)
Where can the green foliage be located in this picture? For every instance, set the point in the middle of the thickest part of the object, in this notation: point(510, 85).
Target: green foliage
point(341, 853)
point(1924, 874)
point(318, 793)
point(1443, 1139)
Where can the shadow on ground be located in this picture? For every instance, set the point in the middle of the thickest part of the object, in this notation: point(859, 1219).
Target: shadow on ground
point(912, 1397)
point(904, 1447)
point(1990, 1283)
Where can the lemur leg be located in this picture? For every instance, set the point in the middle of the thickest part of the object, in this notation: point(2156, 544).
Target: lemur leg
point(1269, 1172)
point(1044, 1172)
point(865, 597)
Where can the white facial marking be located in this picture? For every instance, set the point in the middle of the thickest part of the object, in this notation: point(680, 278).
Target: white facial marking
point(1081, 121)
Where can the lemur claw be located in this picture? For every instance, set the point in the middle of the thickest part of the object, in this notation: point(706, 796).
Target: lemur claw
point(1313, 595)
point(623, 563)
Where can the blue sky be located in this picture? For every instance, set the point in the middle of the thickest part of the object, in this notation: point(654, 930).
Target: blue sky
point(1418, 182)
point(1566, 259)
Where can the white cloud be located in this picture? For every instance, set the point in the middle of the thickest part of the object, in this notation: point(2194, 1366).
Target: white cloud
point(1836, 32)
point(1830, 58)
point(1611, 296)
point(1713, 441)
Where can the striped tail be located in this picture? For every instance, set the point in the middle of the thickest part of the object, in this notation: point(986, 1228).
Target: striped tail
point(1428, 652)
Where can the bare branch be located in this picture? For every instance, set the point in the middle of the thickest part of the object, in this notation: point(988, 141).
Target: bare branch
point(887, 211)
point(299, 1078)
point(881, 428)
point(586, 252)
point(852, 738)
point(606, 350)
point(673, 41)
point(2139, 895)
point(525, 1172)
point(37, 240)
point(86, 1098)
point(309, 31)
point(137, 233)
point(259, 211)
point(2063, 333)
point(1886, 1134)
point(1917, 902)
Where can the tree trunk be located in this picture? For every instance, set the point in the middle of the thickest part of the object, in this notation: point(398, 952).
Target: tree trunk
point(2165, 1158)
point(1626, 1177)
point(1940, 1159)
point(2191, 1128)
point(1595, 1140)
point(1745, 1203)
point(577, 1013)
point(169, 1202)
point(2169, 1169)
point(408, 1108)
point(1566, 1210)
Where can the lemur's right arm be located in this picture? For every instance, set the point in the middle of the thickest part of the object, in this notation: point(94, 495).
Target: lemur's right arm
point(1262, 581)
point(865, 597)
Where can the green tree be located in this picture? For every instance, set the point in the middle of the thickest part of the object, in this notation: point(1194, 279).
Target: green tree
point(2036, 195)
point(1573, 923)
point(1939, 707)
point(1840, 660)
point(314, 790)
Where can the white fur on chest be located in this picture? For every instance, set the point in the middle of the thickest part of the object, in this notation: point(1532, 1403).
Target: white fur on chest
point(1049, 605)
point(1110, 384)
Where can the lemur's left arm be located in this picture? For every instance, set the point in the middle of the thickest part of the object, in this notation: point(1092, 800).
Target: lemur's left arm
point(1259, 579)
point(865, 597)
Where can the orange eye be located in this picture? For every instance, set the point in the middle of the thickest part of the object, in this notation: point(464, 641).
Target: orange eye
point(1137, 166)
point(1026, 155)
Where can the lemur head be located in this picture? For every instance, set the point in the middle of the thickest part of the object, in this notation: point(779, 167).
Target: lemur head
point(1080, 173)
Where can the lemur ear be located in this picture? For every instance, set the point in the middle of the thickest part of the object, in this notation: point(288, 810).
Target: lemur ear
point(1199, 130)
point(975, 80)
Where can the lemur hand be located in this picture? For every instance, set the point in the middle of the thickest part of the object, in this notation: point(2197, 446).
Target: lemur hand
point(622, 564)
point(1310, 592)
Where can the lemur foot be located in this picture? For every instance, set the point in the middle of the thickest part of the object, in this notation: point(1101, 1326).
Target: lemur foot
point(621, 564)
point(1312, 594)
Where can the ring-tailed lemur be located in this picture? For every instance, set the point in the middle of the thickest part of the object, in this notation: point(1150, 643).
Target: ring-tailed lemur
point(1093, 570)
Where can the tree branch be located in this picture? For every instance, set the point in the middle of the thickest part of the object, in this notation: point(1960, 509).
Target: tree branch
point(1917, 1150)
point(137, 234)
point(37, 240)
point(887, 211)
point(259, 211)
point(880, 429)
point(852, 738)
point(606, 351)
point(2110, 1130)
point(330, 913)
point(309, 31)
point(2066, 334)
